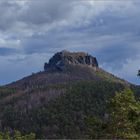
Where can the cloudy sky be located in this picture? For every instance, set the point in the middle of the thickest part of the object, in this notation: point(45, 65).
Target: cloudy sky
point(31, 31)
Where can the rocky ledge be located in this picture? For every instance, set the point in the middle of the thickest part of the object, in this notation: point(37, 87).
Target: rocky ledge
point(63, 58)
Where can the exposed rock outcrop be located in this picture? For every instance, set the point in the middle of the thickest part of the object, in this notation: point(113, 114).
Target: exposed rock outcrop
point(63, 58)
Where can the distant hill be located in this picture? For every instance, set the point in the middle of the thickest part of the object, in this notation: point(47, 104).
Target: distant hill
point(54, 102)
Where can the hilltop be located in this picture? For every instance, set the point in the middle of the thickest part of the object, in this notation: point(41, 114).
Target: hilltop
point(65, 67)
point(61, 59)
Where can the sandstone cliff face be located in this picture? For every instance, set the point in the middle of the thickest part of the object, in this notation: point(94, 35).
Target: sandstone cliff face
point(64, 58)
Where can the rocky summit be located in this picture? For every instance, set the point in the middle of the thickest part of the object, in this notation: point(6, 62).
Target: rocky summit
point(64, 58)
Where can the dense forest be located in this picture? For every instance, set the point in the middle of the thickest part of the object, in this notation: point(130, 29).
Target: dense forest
point(95, 109)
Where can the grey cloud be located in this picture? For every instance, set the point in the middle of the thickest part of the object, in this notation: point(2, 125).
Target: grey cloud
point(7, 51)
point(46, 11)
point(108, 31)
point(8, 14)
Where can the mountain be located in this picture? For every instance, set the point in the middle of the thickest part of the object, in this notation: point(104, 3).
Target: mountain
point(54, 103)
point(66, 67)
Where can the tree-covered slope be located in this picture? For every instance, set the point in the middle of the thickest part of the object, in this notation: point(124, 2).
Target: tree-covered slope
point(63, 116)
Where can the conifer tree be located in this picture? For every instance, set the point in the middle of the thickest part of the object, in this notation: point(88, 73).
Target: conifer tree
point(124, 116)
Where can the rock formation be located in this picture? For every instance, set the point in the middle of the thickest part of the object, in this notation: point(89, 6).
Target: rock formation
point(63, 58)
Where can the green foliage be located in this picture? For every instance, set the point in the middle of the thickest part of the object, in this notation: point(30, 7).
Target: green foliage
point(64, 116)
point(6, 91)
point(122, 119)
point(16, 135)
point(124, 112)
point(94, 127)
point(79, 113)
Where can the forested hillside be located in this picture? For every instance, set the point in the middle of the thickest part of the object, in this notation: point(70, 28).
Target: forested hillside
point(61, 117)
point(69, 101)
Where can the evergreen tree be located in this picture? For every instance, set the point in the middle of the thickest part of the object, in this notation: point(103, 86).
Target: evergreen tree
point(124, 116)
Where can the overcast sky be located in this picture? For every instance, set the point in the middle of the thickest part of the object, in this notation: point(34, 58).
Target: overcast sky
point(32, 31)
